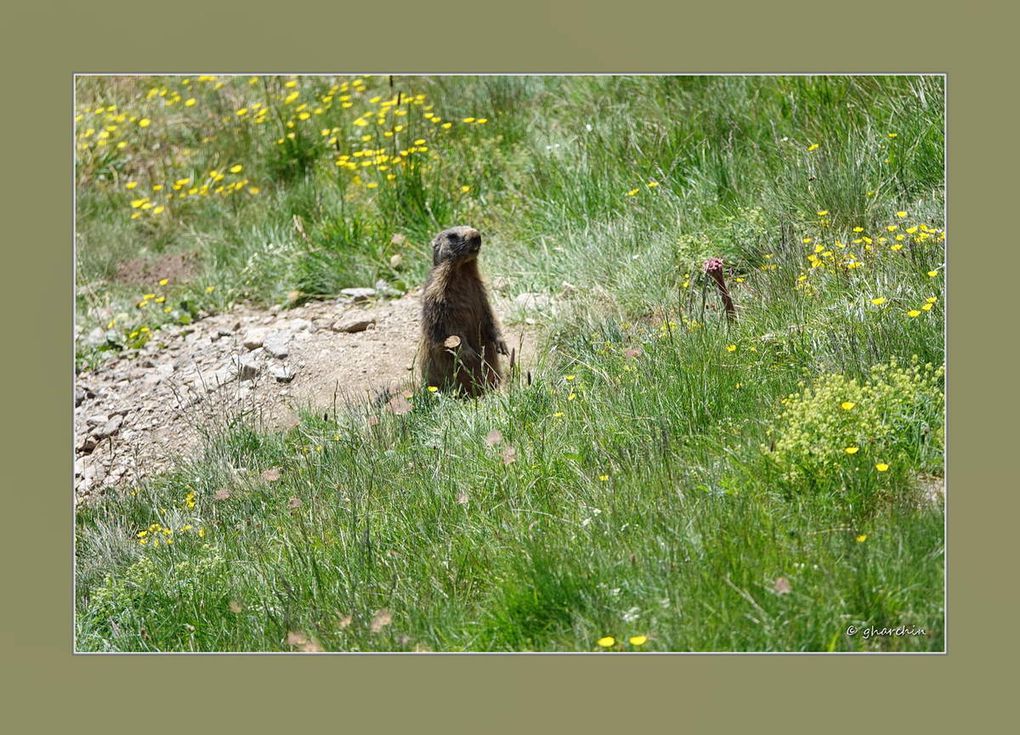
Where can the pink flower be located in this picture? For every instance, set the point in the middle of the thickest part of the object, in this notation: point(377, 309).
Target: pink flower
point(713, 264)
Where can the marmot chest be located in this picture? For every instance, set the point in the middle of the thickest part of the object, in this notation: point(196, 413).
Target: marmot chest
point(464, 309)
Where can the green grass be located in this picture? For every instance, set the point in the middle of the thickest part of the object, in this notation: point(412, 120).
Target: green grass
point(650, 490)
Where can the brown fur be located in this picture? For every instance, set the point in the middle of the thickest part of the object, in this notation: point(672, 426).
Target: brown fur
point(461, 339)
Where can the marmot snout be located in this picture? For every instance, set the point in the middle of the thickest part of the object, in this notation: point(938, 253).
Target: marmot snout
point(461, 339)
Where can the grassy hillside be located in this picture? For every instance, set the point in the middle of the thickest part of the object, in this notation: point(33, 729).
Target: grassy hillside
point(665, 474)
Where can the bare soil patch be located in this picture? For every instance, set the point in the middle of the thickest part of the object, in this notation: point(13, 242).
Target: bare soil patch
point(140, 413)
point(177, 267)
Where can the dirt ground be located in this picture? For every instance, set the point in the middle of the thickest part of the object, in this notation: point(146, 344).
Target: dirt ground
point(139, 414)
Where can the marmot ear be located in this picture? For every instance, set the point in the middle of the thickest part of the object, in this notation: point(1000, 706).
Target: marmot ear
point(437, 245)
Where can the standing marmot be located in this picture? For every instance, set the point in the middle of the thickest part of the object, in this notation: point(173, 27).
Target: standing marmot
point(461, 341)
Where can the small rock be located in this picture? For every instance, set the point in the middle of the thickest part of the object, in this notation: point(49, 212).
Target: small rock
point(352, 324)
point(110, 428)
point(79, 396)
point(254, 339)
point(277, 344)
point(94, 474)
point(358, 294)
point(97, 419)
point(282, 373)
point(246, 367)
point(224, 375)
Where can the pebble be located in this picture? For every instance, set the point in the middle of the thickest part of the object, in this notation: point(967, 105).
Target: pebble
point(358, 294)
point(110, 428)
point(246, 367)
point(282, 373)
point(277, 344)
point(253, 339)
point(352, 324)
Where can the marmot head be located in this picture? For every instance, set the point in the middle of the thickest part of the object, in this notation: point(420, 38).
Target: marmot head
point(457, 244)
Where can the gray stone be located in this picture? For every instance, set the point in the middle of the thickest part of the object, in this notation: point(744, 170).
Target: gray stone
point(277, 344)
point(299, 324)
point(224, 375)
point(282, 373)
point(97, 419)
point(110, 428)
point(352, 324)
point(94, 473)
point(254, 338)
point(246, 367)
point(358, 294)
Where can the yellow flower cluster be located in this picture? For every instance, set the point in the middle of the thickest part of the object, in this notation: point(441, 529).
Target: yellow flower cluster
point(217, 182)
point(838, 418)
point(157, 534)
point(852, 253)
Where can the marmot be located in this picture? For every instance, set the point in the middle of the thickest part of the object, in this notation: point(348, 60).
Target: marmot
point(461, 340)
